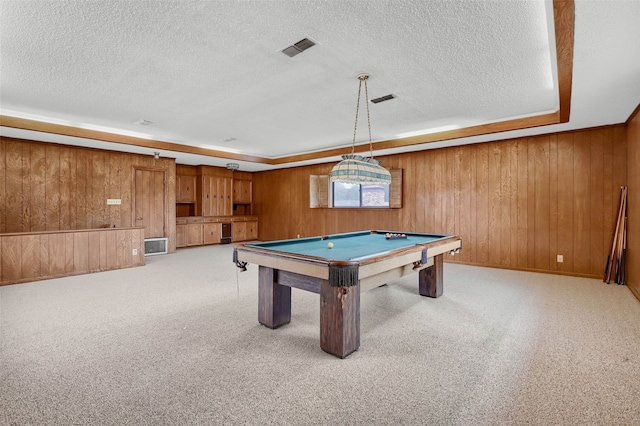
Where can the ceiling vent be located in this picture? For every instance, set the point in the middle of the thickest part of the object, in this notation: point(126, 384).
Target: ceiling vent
point(298, 47)
point(382, 99)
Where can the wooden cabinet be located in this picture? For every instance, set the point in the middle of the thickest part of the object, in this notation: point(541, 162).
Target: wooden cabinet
point(202, 230)
point(238, 231)
point(186, 189)
point(181, 232)
point(244, 230)
point(211, 233)
point(194, 234)
point(181, 235)
point(214, 196)
point(252, 230)
point(242, 191)
point(207, 196)
point(225, 203)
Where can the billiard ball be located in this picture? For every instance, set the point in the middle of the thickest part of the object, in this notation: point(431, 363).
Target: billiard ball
point(330, 245)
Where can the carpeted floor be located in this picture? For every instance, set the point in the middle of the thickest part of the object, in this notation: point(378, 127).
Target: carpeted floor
point(178, 342)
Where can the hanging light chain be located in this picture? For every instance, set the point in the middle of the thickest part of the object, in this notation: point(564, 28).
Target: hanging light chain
point(365, 77)
point(355, 126)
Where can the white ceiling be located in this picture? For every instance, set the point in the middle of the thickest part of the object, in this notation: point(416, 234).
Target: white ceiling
point(204, 72)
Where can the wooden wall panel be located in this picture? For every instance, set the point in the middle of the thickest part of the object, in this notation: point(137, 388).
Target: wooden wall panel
point(32, 256)
point(13, 208)
point(597, 200)
point(565, 201)
point(58, 262)
point(522, 204)
point(553, 203)
point(11, 258)
point(66, 187)
point(37, 177)
point(81, 191)
point(516, 203)
point(582, 214)
point(3, 179)
point(51, 187)
point(632, 155)
point(541, 203)
point(482, 205)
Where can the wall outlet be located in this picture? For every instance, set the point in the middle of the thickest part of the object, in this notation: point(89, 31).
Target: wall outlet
point(114, 201)
point(135, 252)
point(560, 258)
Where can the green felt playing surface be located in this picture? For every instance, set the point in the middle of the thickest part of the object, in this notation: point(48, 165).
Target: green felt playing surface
point(349, 246)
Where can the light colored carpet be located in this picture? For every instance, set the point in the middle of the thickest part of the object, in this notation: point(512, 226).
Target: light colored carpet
point(178, 342)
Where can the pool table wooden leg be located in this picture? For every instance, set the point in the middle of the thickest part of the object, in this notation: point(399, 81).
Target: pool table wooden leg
point(339, 325)
point(274, 300)
point(430, 279)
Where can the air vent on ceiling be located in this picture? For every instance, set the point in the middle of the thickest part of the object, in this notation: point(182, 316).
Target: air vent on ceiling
point(298, 47)
point(382, 99)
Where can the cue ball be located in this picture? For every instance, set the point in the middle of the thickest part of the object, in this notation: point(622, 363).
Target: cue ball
point(330, 245)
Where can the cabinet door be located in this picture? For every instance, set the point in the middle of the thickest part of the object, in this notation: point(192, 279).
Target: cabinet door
point(239, 231)
point(209, 196)
point(242, 191)
point(194, 234)
point(251, 231)
point(211, 233)
point(186, 189)
point(181, 235)
point(225, 191)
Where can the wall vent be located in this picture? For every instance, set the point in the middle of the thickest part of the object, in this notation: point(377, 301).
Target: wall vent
point(298, 47)
point(382, 99)
point(153, 246)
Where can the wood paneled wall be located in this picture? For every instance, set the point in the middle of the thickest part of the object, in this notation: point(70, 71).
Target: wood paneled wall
point(41, 255)
point(50, 187)
point(516, 203)
point(633, 211)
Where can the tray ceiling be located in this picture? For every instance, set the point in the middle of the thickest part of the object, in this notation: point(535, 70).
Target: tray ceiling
point(211, 78)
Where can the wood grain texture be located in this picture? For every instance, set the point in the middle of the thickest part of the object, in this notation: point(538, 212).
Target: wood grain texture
point(11, 258)
point(13, 217)
point(516, 203)
point(3, 181)
point(52, 190)
point(50, 187)
point(633, 224)
point(564, 24)
point(37, 179)
point(33, 256)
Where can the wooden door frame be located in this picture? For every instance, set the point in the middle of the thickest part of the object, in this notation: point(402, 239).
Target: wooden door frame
point(165, 210)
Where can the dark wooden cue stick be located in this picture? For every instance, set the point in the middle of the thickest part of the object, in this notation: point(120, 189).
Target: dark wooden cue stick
point(624, 251)
point(621, 238)
point(621, 242)
point(610, 260)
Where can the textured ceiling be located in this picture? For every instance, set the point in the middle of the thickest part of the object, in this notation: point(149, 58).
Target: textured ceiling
point(211, 73)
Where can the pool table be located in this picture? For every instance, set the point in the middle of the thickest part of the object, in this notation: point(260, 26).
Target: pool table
point(339, 267)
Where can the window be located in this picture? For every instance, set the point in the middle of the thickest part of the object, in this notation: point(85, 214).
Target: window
point(360, 195)
point(325, 194)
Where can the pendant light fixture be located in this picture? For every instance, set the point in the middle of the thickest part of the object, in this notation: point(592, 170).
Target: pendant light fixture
point(356, 169)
